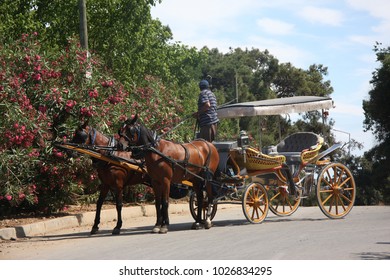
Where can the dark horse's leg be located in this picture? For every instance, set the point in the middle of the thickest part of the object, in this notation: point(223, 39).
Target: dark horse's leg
point(158, 204)
point(161, 204)
point(199, 198)
point(165, 216)
point(119, 204)
point(158, 228)
point(210, 206)
point(102, 196)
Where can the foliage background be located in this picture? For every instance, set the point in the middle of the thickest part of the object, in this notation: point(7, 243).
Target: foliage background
point(49, 85)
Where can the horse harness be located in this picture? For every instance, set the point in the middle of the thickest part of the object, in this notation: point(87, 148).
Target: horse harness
point(183, 164)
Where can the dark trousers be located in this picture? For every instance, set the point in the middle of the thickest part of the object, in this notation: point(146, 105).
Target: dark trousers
point(208, 132)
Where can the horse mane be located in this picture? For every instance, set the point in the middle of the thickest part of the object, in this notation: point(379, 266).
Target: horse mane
point(148, 136)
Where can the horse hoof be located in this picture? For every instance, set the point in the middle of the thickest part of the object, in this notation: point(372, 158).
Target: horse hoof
point(163, 229)
point(208, 224)
point(116, 231)
point(196, 226)
point(94, 231)
point(156, 229)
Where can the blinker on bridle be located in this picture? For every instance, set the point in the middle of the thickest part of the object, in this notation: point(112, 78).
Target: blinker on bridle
point(133, 130)
point(91, 134)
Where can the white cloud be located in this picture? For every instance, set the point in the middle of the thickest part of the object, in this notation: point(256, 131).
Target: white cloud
point(273, 26)
point(380, 10)
point(323, 16)
point(347, 109)
point(363, 40)
point(376, 8)
point(282, 51)
point(203, 14)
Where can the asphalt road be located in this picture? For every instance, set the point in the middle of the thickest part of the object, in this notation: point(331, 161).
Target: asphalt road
point(364, 234)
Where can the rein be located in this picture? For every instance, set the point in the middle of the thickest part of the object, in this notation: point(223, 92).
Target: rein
point(89, 147)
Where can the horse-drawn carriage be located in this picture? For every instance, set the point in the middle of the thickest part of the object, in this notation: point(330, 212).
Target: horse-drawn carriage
point(276, 178)
point(280, 176)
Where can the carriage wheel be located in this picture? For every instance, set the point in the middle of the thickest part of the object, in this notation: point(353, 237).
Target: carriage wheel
point(194, 206)
point(281, 202)
point(336, 190)
point(255, 203)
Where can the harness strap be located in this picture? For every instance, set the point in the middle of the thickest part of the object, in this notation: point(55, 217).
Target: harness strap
point(208, 174)
point(93, 137)
point(177, 163)
point(186, 159)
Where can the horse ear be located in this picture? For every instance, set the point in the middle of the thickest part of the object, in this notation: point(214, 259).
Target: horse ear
point(85, 124)
point(132, 121)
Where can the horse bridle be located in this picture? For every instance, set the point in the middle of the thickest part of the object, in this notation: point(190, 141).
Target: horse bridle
point(134, 130)
point(83, 135)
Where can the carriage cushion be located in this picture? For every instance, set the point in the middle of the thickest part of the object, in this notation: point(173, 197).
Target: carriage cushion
point(298, 142)
point(299, 147)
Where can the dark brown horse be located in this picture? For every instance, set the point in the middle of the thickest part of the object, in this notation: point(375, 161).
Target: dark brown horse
point(112, 176)
point(168, 163)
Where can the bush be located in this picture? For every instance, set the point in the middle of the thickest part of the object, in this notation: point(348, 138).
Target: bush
point(44, 96)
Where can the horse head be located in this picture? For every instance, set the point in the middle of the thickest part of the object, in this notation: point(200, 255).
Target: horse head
point(133, 133)
point(129, 132)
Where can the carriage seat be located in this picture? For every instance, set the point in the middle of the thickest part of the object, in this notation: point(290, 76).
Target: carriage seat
point(254, 160)
point(300, 147)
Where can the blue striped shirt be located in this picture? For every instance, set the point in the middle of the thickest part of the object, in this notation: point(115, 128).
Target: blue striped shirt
point(210, 116)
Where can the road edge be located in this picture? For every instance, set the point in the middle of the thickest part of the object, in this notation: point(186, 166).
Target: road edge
point(44, 227)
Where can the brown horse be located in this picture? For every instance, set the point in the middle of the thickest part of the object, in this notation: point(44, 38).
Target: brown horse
point(112, 176)
point(168, 163)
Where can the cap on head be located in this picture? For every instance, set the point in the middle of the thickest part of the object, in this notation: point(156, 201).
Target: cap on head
point(203, 84)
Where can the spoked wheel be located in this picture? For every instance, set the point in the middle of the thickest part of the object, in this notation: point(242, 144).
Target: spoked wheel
point(255, 203)
point(336, 190)
point(194, 206)
point(281, 202)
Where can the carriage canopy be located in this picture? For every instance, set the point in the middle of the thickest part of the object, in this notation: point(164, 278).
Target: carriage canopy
point(277, 106)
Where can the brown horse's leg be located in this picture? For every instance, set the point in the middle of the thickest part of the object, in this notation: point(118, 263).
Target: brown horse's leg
point(102, 196)
point(119, 204)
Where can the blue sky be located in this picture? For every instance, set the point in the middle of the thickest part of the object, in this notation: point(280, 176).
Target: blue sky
point(339, 34)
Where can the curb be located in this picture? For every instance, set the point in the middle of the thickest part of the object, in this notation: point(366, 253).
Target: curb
point(84, 219)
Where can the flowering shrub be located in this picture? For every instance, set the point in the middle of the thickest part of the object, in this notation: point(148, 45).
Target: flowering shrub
point(44, 96)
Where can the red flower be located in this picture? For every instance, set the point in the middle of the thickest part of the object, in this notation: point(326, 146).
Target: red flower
point(93, 93)
point(69, 105)
point(37, 77)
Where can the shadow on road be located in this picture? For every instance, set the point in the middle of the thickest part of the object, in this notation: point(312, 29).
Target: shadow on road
point(374, 256)
point(177, 227)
